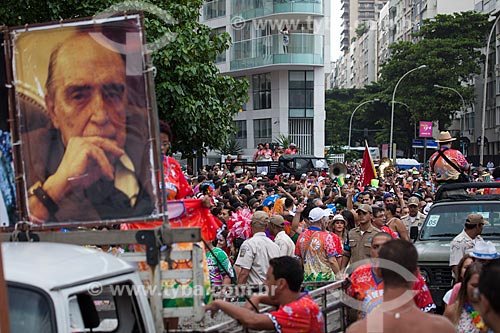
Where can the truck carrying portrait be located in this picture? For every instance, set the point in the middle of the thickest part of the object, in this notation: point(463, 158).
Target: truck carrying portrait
point(81, 99)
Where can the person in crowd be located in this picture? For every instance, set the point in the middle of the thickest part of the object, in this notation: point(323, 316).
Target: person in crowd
point(388, 198)
point(359, 237)
point(447, 164)
point(316, 248)
point(367, 287)
point(255, 252)
point(297, 311)
point(292, 149)
point(462, 266)
point(276, 228)
point(414, 217)
point(277, 153)
point(463, 312)
point(222, 242)
point(496, 179)
point(338, 225)
point(219, 266)
point(464, 241)
point(366, 197)
point(484, 251)
point(176, 185)
point(259, 154)
point(489, 295)
point(394, 222)
point(398, 312)
point(378, 221)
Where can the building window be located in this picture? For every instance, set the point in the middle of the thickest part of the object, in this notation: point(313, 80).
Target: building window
point(301, 132)
point(261, 86)
point(301, 94)
point(240, 135)
point(220, 57)
point(262, 131)
point(214, 9)
point(237, 78)
point(241, 129)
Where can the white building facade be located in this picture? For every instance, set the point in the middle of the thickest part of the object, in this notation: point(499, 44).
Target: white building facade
point(287, 83)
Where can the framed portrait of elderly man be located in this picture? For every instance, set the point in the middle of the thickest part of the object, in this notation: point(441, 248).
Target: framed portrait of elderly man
point(85, 121)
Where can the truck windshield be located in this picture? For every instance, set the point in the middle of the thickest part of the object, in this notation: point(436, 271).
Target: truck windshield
point(444, 222)
point(30, 311)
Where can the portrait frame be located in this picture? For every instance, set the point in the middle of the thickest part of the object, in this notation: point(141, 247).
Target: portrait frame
point(42, 142)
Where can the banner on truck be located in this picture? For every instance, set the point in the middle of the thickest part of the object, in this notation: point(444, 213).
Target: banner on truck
point(84, 120)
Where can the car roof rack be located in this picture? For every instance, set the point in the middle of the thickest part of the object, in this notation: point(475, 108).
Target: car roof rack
point(456, 191)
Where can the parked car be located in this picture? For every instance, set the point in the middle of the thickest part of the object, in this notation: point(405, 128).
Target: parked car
point(287, 164)
point(444, 221)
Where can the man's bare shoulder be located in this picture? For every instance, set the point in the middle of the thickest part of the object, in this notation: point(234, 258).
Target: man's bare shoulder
point(357, 327)
point(420, 323)
point(440, 323)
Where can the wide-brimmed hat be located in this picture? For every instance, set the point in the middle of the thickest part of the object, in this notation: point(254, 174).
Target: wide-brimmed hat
point(445, 136)
point(484, 250)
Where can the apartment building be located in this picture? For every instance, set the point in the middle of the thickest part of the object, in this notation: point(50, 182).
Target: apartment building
point(287, 93)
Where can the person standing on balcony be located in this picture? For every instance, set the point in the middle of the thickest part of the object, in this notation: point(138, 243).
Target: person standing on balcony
point(286, 38)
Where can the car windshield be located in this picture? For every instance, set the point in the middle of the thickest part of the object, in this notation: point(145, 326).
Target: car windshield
point(320, 163)
point(444, 222)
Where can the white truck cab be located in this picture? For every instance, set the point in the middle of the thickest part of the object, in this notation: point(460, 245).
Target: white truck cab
point(67, 288)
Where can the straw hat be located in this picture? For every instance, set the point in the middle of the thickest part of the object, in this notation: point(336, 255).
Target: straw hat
point(445, 136)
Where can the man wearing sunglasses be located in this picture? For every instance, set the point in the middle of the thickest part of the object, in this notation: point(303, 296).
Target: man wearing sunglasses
point(466, 239)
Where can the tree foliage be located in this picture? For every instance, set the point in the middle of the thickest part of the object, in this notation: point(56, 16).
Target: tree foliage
point(191, 95)
point(449, 45)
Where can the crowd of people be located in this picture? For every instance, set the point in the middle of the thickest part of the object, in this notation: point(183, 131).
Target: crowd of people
point(337, 229)
point(285, 232)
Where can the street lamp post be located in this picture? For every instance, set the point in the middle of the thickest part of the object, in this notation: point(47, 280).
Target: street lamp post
point(352, 115)
point(483, 115)
point(392, 106)
point(462, 122)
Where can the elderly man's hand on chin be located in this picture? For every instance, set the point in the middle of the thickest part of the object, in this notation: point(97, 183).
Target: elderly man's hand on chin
point(86, 160)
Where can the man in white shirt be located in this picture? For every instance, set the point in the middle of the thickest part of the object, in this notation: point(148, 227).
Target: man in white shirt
point(415, 217)
point(466, 239)
point(255, 253)
point(276, 228)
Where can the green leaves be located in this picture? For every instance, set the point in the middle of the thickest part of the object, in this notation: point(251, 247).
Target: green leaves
point(450, 47)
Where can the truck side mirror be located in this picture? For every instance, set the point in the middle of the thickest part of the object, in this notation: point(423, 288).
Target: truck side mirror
point(414, 232)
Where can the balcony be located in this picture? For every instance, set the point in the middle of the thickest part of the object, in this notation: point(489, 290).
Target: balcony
point(249, 9)
point(214, 9)
point(303, 49)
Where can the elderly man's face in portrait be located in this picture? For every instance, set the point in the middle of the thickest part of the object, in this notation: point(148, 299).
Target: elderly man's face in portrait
point(87, 94)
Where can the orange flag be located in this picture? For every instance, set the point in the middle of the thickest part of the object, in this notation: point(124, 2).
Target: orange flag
point(368, 171)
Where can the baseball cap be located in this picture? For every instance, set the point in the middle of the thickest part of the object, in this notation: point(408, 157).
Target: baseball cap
point(413, 201)
point(365, 208)
point(260, 218)
point(277, 220)
point(316, 214)
point(475, 219)
point(249, 187)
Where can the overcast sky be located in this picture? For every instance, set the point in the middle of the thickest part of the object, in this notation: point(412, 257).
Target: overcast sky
point(335, 26)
